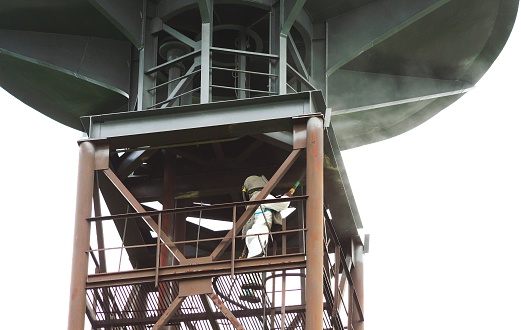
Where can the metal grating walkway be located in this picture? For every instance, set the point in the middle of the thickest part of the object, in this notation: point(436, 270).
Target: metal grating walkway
point(139, 306)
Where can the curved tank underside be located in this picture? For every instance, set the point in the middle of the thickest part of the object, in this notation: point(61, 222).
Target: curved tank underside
point(383, 66)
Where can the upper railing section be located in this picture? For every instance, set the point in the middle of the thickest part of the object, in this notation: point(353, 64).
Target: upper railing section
point(234, 52)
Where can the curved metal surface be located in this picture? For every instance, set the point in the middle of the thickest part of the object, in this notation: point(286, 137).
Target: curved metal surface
point(407, 72)
point(384, 66)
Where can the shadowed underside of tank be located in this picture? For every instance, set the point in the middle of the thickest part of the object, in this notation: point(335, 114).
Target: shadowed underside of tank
point(384, 66)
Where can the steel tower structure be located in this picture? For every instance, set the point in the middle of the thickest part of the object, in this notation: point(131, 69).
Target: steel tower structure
point(181, 100)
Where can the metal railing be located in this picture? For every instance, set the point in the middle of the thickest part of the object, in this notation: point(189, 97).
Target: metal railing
point(141, 303)
point(244, 81)
point(199, 210)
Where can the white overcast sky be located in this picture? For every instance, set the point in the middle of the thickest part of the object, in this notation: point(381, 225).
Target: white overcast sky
point(441, 202)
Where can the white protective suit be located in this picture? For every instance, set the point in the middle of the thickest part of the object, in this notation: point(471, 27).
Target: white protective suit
point(261, 223)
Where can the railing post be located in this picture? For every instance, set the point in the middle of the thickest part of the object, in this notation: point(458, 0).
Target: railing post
point(315, 222)
point(283, 61)
point(206, 76)
point(158, 249)
point(358, 284)
point(80, 257)
point(233, 242)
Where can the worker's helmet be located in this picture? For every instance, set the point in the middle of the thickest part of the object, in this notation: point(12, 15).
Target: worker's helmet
point(252, 184)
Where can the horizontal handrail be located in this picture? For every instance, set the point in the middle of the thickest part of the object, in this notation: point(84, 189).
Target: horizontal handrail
point(245, 52)
point(173, 98)
point(277, 233)
point(300, 77)
point(243, 89)
point(245, 71)
point(174, 80)
point(172, 62)
point(196, 208)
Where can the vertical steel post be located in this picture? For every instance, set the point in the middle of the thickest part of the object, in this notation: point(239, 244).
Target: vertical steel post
point(206, 76)
point(283, 50)
point(274, 45)
point(99, 227)
point(147, 59)
point(80, 257)
point(168, 203)
point(171, 226)
point(358, 283)
point(314, 222)
point(169, 51)
point(283, 61)
point(241, 65)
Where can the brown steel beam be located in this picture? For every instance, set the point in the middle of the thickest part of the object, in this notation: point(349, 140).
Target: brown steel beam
point(139, 208)
point(170, 224)
point(99, 226)
point(226, 312)
point(168, 221)
point(188, 209)
point(196, 287)
point(132, 160)
point(174, 306)
point(208, 315)
point(106, 296)
point(215, 268)
point(245, 313)
point(314, 222)
point(348, 271)
point(80, 257)
point(336, 293)
point(275, 179)
point(209, 183)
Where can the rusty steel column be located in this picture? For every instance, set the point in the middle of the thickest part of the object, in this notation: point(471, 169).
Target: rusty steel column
point(80, 258)
point(167, 225)
point(173, 224)
point(314, 222)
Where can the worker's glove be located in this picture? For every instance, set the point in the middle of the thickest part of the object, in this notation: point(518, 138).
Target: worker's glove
point(290, 192)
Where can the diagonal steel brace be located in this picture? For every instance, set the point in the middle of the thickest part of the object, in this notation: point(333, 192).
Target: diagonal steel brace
point(148, 219)
point(275, 179)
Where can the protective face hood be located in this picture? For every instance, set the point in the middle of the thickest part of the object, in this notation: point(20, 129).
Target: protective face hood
point(252, 184)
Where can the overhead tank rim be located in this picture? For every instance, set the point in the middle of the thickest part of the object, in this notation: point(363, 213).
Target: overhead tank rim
point(62, 70)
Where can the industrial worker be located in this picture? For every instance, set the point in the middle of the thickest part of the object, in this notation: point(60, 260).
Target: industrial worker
point(257, 228)
point(261, 221)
